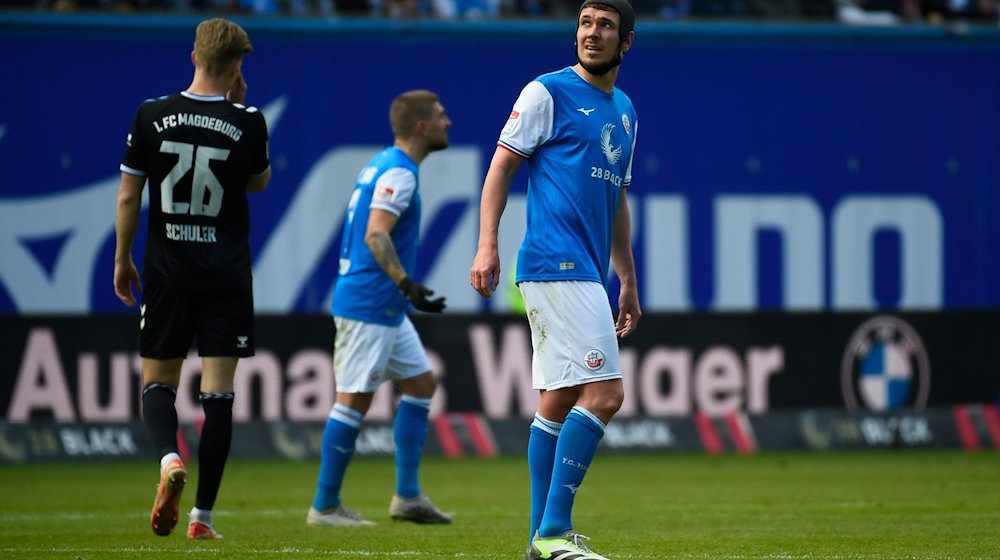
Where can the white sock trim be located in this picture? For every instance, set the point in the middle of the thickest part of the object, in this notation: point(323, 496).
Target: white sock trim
point(167, 459)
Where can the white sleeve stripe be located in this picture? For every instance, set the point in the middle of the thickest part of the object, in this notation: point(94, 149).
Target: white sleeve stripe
point(382, 205)
point(131, 171)
point(517, 151)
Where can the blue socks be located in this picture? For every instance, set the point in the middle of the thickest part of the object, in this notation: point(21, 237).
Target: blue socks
point(339, 435)
point(541, 454)
point(574, 451)
point(409, 433)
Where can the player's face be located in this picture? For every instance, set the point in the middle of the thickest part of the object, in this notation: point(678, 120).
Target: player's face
point(598, 47)
point(437, 129)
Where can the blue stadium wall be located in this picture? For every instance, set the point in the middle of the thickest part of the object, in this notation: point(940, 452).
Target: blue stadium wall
point(806, 200)
point(779, 167)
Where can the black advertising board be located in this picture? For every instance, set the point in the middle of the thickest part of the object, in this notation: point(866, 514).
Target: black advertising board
point(86, 369)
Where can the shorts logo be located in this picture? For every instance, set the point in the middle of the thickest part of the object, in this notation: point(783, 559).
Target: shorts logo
point(593, 359)
point(885, 363)
point(241, 341)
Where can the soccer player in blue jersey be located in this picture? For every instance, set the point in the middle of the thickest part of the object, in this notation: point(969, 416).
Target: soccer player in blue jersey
point(577, 131)
point(375, 340)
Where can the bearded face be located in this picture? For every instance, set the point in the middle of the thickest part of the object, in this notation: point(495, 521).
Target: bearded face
point(598, 44)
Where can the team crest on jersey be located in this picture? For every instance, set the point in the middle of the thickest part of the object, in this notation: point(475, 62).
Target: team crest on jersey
point(593, 359)
point(626, 124)
point(612, 153)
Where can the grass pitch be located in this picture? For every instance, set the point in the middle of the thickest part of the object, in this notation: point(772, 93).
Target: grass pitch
point(860, 506)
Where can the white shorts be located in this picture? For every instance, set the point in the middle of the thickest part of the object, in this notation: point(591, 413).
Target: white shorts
point(572, 334)
point(366, 354)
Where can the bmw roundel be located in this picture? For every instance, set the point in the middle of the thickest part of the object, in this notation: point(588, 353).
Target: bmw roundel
point(885, 366)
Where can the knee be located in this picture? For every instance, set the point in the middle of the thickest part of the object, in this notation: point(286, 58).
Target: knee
point(604, 400)
point(422, 386)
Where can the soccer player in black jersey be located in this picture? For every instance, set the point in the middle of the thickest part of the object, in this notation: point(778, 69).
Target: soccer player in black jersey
point(201, 151)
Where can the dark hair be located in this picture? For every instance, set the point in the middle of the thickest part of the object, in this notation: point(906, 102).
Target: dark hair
point(409, 108)
point(624, 9)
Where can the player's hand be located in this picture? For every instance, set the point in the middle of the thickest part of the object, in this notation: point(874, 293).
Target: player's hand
point(485, 274)
point(628, 312)
point(238, 91)
point(417, 295)
point(126, 278)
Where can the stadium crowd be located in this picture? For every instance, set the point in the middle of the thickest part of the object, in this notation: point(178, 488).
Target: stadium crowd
point(858, 12)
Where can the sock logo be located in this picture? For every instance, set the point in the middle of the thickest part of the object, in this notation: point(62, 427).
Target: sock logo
point(572, 463)
point(572, 488)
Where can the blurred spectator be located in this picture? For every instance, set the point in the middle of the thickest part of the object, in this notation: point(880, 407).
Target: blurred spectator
point(852, 12)
point(467, 9)
point(872, 12)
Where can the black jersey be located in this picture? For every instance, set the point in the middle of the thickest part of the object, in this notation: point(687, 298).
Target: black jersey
point(198, 153)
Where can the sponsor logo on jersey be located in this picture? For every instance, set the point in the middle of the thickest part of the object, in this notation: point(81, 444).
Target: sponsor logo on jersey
point(593, 359)
point(586, 112)
point(385, 193)
point(511, 122)
point(885, 366)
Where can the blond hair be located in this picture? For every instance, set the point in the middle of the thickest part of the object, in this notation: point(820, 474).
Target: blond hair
point(218, 43)
point(408, 109)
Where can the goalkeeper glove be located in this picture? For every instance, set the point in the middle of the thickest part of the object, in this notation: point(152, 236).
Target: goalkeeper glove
point(417, 295)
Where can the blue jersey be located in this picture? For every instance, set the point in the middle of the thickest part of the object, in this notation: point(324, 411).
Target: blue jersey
point(578, 141)
point(364, 292)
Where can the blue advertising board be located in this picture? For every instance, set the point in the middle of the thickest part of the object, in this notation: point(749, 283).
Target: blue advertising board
point(777, 168)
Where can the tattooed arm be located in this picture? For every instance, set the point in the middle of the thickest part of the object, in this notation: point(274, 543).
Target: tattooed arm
point(379, 241)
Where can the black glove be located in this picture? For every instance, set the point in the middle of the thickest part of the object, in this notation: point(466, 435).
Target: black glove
point(417, 294)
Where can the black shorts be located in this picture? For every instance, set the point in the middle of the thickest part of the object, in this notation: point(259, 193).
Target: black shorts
point(220, 319)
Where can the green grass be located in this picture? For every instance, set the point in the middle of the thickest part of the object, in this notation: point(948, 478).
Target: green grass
point(891, 505)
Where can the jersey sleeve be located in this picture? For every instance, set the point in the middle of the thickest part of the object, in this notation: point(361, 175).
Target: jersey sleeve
point(394, 189)
point(530, 122)
point(259, 157)
point(631, 158)
point(134, 162)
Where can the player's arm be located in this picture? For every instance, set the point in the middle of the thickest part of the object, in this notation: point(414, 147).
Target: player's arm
point(485, 273)
point(379, 240)
point(378, 237)
point(621, 258)
point(126, 223)
point(258, 183)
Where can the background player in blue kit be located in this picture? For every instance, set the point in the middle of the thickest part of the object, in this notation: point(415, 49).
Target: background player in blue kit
point(375, 340)
point(201, 151)
point(577, 131)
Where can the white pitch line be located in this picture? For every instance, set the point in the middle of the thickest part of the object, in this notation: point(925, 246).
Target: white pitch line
point(267, 552)
point(91, 516)
point(312, 552)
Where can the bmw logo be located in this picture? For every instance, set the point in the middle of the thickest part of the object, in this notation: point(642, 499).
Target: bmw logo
point(885, 366)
